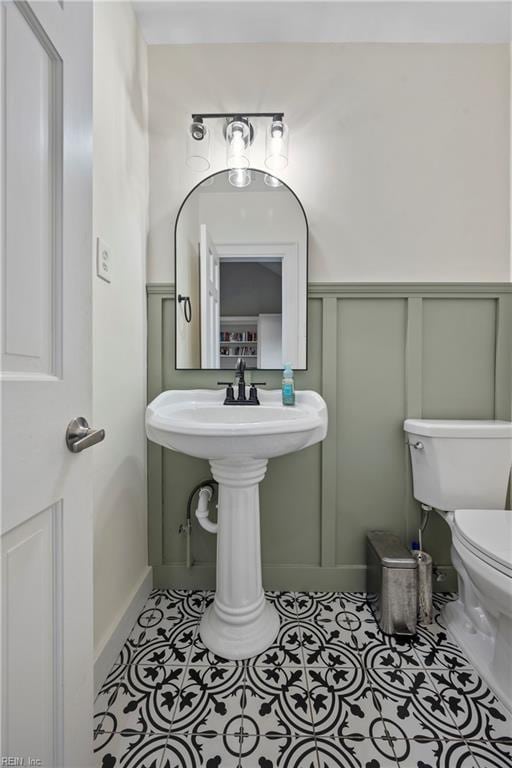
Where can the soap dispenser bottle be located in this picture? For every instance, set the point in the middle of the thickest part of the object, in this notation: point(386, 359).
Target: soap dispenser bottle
point(288, 387)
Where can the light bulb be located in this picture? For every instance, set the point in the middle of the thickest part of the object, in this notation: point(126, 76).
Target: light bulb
point(276, 145)
point(237, 139)
point(271, 181)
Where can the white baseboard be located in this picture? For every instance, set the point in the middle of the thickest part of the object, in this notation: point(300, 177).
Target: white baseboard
point(120, 628)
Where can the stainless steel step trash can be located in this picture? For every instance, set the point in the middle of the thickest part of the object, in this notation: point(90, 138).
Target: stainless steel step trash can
point(391, 583)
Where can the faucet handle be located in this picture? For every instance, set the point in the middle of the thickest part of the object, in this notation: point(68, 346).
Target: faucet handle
point(259, 384)
point(253, 394)
point(230, 392)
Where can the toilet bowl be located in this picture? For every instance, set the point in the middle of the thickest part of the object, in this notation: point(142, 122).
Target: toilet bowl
point(462, 469)
point(481, 618)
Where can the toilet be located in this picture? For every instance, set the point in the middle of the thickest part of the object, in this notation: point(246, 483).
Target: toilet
point(461, 468)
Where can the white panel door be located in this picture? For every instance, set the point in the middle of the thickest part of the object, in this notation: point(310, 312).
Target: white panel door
point(45, 335)
point(210, 301)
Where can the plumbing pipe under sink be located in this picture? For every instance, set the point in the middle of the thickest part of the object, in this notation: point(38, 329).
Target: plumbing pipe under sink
point(202, 512)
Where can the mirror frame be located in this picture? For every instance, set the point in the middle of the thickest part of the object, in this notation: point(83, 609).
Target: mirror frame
point(211, 175)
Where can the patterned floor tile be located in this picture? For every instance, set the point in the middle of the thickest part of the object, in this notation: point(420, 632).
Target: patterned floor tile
point(106, 696)
point(126, 654)
point(145, 700)
point(119, 750)
point(389, 652)
point(278, 751)
point(433, 754)
point(308, 604)
point(435, 647)
point(183, 603)
point(332, 691)
point(491, 754)
point(284, 603)
point(411, 706)
point(335, 610)
point(154, 627)
point(328, 646)
point(374, 645)
point(322, 606)
point(171, 643)
point(342, 702)
point(277, 701)
point(286, 651)
point(355, 753)
point(115, 675)
point(208, 750)
point(210, 699)
point(201, 656)
point(473, 706)
point(440, 599)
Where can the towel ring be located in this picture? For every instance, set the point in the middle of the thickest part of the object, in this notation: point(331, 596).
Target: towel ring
point(187, 308)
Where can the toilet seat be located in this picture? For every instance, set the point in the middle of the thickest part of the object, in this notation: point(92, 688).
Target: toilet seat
point(487, 533)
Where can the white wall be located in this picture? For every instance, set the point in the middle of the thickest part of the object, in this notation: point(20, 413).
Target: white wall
point(119, 332)
point(399, 153)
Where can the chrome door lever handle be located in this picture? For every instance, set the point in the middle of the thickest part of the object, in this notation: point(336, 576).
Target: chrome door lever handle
point(79, 435)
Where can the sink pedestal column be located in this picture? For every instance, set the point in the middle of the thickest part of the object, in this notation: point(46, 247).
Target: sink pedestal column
point(240, 623)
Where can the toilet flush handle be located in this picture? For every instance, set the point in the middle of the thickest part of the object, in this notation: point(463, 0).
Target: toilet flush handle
point(418, 445)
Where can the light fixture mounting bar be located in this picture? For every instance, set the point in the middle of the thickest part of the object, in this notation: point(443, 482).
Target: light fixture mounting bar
point(214, 115)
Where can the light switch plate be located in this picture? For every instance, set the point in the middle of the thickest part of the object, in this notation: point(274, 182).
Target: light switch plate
point(103, 260)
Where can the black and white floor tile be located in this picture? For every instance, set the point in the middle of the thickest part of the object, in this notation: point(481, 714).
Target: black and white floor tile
point(332, 692)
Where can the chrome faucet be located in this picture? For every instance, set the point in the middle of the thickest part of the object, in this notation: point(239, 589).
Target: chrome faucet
point(240, 374)
point(242, 399)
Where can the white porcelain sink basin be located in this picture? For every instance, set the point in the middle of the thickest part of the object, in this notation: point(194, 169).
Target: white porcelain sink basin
point(238, 441)
point(197, 423)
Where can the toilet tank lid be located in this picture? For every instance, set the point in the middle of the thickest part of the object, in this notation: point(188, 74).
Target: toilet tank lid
point(459, 428)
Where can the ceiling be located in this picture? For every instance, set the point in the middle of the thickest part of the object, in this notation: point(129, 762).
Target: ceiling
point(323, 21)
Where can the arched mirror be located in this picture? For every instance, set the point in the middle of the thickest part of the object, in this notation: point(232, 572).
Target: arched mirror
point(241, 256)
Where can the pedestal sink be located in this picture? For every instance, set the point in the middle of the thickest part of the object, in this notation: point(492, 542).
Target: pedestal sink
point(237, 441)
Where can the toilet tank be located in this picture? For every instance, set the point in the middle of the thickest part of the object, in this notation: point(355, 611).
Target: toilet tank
point(460, 464)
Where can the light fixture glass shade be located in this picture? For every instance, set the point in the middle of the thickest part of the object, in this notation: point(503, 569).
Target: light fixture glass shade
point(240, 177)
point(272, 181)
point(237, 141)
point(276, 145)
point(198, 146)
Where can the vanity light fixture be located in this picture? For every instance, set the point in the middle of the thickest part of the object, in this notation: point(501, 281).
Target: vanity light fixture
point(239, 135)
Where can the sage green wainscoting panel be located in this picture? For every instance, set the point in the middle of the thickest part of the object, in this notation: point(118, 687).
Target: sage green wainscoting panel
point(291, 490)
point(371, 398)
point(378, 353)
point(459, 340)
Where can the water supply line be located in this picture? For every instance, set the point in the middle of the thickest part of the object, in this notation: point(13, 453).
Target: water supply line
point(425, 514)
point(186, 527)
